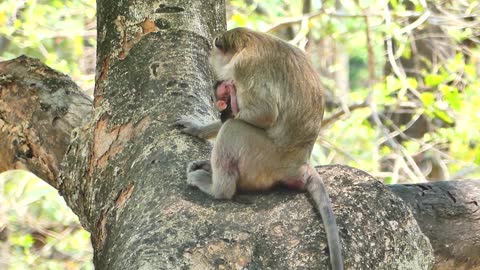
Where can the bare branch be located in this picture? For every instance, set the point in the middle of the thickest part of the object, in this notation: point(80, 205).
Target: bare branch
point(39, 107)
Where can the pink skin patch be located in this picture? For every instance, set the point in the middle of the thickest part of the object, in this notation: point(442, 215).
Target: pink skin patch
point(225, 91)
point(294, 184)
point(298, 182)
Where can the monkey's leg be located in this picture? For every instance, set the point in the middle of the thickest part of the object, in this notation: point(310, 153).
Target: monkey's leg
point(244, 158)
point(224, 169)
point(233, 154)
point(317, 190)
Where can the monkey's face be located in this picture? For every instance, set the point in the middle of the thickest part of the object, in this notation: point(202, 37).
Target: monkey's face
point(226, 48)
point(221, 59)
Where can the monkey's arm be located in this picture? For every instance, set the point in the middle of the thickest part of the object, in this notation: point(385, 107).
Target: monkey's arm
point(261, 112)
point(195, 128)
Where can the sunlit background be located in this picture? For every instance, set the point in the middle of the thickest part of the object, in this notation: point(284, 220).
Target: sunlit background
point(37, 229)
point(401, 80)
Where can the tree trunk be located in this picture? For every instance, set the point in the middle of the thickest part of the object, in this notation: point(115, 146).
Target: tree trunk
point(123, 173)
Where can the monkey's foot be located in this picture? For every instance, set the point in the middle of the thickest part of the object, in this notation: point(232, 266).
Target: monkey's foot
point(199, 178)
point(199, 165)
point(199, 173)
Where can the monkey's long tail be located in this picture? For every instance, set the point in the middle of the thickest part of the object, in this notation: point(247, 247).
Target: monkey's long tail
point(317, 190)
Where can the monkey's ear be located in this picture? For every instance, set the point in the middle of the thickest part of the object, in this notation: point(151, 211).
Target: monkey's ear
point(219, 43)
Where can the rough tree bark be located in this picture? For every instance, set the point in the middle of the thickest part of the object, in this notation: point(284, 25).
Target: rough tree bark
point(123, 172)
point(449, 214)
point(39, 107)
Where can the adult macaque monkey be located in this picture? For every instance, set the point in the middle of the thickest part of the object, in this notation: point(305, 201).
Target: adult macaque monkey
point(275, 97)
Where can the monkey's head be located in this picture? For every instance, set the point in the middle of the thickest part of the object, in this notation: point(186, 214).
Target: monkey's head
point(226, 48)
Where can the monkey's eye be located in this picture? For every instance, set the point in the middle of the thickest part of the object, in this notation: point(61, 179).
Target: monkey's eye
point(219, 43)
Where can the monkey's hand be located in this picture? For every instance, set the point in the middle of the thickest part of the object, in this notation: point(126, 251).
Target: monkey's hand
point(193, 127)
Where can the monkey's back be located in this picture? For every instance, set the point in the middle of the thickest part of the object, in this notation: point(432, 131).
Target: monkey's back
point(286, 77)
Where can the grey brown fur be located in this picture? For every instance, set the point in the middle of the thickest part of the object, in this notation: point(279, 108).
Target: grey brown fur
point(269, 141)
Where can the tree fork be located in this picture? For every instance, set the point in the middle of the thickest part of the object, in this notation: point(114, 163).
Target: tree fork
point(133, 199)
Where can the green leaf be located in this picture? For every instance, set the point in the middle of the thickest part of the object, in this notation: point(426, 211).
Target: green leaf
point(452, 96)
point(388, 180)
point(25, 241)
point(394, 4)
point(393, 84)
point(433, 80)
point(407, 52)
point(444, 116)
point(412, 146)
point(427, 99)
point(477, 159)
point(412, 83)
point(239, 19)
point(471, 71)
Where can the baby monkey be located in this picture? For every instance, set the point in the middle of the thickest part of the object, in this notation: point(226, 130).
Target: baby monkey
point(224, 93)
point(272, 102)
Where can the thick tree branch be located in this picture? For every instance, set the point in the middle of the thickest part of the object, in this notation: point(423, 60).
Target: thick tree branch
point(449, 214)
point(39, 107)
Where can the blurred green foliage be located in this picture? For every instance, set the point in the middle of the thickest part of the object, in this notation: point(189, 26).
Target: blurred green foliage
point(37, 229)
point(55, 31)
point(440, 95)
